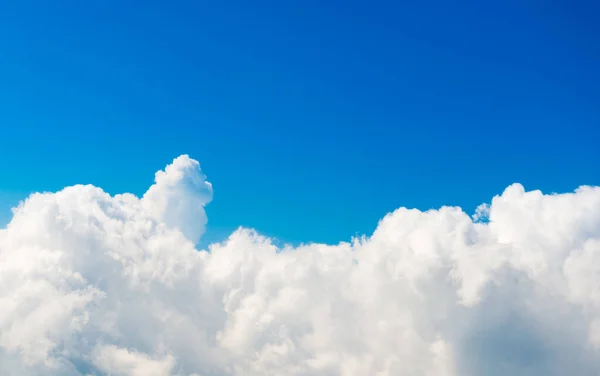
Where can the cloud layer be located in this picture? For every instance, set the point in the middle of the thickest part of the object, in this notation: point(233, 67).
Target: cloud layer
point(93, 284)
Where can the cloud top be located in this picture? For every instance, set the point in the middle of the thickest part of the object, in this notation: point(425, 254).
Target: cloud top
point(93, 284)
point(178, 197)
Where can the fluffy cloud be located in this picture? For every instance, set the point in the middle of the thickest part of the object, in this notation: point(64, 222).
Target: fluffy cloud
point(93, 284)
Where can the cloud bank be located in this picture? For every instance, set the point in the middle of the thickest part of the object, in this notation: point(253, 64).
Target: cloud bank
point(93, 284)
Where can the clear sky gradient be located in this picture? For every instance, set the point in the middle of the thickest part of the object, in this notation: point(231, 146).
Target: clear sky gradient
point(311, 119)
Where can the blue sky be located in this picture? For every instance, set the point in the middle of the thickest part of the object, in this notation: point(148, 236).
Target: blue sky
point(311, 119)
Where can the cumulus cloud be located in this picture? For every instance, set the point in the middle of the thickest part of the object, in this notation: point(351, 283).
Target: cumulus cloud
point(93, 284)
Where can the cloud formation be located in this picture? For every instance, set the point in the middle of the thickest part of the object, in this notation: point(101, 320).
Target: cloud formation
point(93, 284)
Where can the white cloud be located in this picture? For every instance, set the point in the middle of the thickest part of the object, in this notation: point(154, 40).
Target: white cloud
point(92, 284)
point(122, 362)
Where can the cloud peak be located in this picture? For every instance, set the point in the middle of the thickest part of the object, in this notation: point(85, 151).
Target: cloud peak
point(178, 197)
